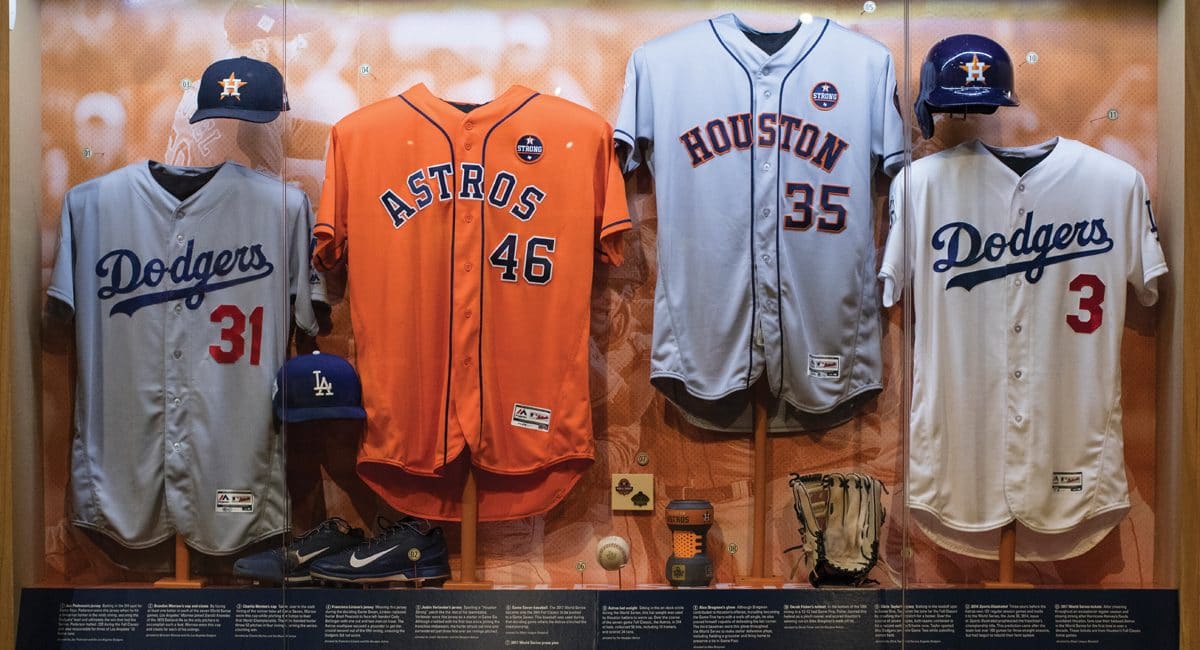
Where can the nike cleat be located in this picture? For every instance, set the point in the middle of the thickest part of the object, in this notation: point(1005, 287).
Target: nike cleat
point(290, 564)
point(409, 550)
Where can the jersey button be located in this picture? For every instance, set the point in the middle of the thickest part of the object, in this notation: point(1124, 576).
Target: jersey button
point(1017, 328)
point(468, 267)
point(766, 258)
point(467, 146)
point(469, 219)
point(177, 354)
point(1021, 212)
point(467, 361)
point(766, 167)
point(467, 314)
point(1018, 374)
point(469, 125)
point(178, 308)
point(1019, 419)
point(179, 238)
point(1017, 282)
point(766, 212)
point(1021, 187)
point(766, 93)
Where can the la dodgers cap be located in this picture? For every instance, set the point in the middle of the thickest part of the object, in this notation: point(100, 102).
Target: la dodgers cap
point(242, 89)
point(317, 386)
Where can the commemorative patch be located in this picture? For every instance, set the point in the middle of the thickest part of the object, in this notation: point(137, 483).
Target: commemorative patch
point(1067, 482)
point(824, 366)
point(531, 417)
point(239, 501)
point(824, 96)
point(529, 148)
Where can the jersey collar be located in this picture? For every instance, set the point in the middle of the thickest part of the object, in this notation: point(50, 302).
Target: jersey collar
point(731, 31)
point(203, 200)
point(447, 114)
point(1057, 146)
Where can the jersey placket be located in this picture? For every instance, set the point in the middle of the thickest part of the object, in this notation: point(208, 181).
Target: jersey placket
point(468, 257)
point(1018, 441)
point(765, 168)
point(176, 451)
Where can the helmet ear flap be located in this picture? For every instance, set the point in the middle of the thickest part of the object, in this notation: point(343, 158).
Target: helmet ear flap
point(921, 108)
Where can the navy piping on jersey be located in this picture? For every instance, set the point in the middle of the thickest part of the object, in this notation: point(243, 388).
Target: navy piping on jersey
point(453, 221)
point(753, 269)
point(779, 217)
point(614, 225)
point(894, 153)
point(483, 247)
point(631, 138)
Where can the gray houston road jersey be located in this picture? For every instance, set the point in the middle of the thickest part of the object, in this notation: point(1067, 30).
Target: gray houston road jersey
point(181, 320)
point(762, 167)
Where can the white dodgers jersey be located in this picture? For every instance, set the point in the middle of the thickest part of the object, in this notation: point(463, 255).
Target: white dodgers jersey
point(1019, 261)
point(763, 148)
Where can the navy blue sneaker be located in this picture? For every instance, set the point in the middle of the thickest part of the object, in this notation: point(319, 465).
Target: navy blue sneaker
point(290, 564)
point(405, 551)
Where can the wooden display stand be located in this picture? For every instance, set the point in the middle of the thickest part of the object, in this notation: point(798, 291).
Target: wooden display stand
point(758, 542)
point(467, 576)
point(1008, 560)
point(183, 567)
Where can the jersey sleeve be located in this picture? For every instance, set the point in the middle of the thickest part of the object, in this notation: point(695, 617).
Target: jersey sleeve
point(304, 283)
point(1145, 255)
point(329, 232)
point(888, 135)
point(611, 210)
point(894, 262)
point(634, 133)
point(62, 279)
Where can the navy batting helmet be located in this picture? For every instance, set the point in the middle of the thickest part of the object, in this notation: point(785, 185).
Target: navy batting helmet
point(964, 73)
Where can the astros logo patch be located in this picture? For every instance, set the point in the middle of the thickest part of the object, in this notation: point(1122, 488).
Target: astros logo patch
point(825, 95)
point(529, 148)
point(230, 86)
point(975, 70)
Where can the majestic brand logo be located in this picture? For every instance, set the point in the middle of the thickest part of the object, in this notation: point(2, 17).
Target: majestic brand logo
point(359, 563)
point(529, 148)
point(790, 134)
point(1029, 247)
point(191, 275)
point(322, 387)
point(824, 96)
point(230, 86)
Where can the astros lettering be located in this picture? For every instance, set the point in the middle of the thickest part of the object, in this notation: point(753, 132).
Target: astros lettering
point(423, 183)
point(791, 134)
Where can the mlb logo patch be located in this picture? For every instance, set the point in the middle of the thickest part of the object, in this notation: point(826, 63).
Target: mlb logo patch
point(824, 96)
point(529, 148)
point(824, 366)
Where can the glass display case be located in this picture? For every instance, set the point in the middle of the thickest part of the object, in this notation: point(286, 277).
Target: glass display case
point(746, 324)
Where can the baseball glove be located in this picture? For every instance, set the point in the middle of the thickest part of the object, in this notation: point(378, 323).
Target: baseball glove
point(840, 518)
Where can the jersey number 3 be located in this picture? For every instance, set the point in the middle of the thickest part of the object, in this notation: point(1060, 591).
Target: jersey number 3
point(1089, 303)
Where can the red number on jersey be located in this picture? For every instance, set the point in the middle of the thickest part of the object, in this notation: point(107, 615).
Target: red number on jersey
point(234, 333)
point(1089, 303)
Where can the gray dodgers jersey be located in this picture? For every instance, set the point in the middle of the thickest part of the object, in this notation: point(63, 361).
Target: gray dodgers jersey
point(766, 256)
point(182, 311)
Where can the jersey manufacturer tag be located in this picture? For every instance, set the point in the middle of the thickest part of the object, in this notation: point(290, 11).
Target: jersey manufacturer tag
point(1067, 482)
point(824, 366)
point(241, 501)
point(531, 417)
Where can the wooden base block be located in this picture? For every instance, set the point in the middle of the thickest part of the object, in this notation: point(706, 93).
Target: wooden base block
point(761, 582)
point(988, 584)
point(176, 583)
point(460, 585)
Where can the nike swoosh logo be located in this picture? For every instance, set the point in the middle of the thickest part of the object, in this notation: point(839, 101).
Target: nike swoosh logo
point(358, 564)
point(301, 559)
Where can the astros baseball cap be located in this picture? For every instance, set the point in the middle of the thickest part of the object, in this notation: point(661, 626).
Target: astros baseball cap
point(317, 386)
point(242, 89)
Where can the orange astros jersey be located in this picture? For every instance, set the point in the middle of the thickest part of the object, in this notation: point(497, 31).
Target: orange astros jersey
point(469, 234)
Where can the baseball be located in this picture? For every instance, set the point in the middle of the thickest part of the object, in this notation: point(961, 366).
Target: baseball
point(612, 552)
